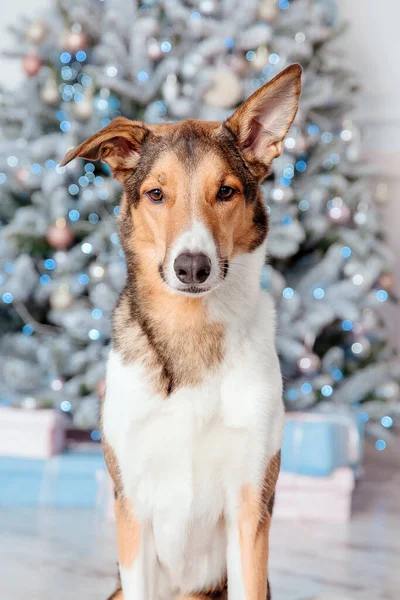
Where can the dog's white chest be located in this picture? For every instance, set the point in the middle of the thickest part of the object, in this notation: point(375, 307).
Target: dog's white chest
point(184, 459)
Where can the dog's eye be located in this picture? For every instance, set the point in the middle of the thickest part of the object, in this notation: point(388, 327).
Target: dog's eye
point(155, 195)
point(225, 192)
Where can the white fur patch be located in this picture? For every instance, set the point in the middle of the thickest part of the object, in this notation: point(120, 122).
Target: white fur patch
point(184, 459)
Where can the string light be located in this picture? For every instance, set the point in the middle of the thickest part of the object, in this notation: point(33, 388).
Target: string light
point(94, 334)
point(7, 297)
point(86, 248)
point(346, 252)
point(327, 391)
point(288, 293)
point(165, 46)
point(318, 293)
point(382, 295)
point(306, 388)
point(27, 329)
point(387, 422)
point(304, 205)
point(49, 264)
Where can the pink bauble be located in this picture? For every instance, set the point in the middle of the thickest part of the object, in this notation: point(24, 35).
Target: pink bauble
point(309, 363)
point(387, 281)
point(31, 64)
point(101, 388)
point(74, 41)
point(339, 214)
point(22, 177)
point(59, 237)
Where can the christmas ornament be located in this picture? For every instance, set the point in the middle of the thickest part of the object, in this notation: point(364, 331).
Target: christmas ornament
point(225, 91)
point(387, 281)
point(309, 363)
point(261, 59)
point(50, 93)
point(154, 49)
point(31, 64)
point(36, 32)
point(101, 388)
point(268, 10)
point(84, 110)
point(22, 177)
point(60, 236)
point(381, 193)
point(97, 270)
point(237, 63)
point(74, 40)
point(170, 88)
point(388, 391)
point(61, 298)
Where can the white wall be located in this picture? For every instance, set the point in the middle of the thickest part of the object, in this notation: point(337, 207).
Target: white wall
point(373, 43)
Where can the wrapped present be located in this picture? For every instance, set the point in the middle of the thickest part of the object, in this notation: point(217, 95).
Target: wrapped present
point(69, 480)
point(31, 433)
point(315, 498)
point(318, 443)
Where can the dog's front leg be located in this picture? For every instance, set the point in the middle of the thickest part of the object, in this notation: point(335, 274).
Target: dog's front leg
point(248, 538)
point(137, 556)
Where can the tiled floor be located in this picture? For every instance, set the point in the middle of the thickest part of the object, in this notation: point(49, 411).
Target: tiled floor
point(70, 555)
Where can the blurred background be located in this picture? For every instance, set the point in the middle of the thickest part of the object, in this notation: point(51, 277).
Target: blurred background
point(67, 68)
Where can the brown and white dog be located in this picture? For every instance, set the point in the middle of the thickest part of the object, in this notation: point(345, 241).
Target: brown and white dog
point(193, 415)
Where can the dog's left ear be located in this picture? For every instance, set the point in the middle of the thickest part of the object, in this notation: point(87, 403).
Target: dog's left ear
point(262, 121)
point(118, 144)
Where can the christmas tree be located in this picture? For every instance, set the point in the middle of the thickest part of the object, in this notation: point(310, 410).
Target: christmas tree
point(61, 266)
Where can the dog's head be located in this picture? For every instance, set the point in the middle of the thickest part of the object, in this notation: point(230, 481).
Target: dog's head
point(192, 199)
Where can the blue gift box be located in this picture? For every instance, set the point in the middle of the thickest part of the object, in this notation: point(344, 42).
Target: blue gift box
point(317, 444)
point(65, 481)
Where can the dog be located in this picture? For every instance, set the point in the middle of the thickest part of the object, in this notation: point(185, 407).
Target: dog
point(193, 416)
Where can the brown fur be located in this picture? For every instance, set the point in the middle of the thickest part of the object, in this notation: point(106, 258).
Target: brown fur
point(128, 532)
point(253, 524)
point(117, 595)
point(112, 466)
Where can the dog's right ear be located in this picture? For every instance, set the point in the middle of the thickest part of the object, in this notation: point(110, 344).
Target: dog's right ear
point(118, 144)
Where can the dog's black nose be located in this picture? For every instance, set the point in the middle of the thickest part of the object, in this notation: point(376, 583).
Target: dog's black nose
point(192, 268)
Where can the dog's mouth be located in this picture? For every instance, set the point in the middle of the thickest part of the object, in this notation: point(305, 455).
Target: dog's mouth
point(193, 290)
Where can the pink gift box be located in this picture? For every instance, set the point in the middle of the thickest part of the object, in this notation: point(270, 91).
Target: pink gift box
point(315, 498)
point(297, 496)
point(31, 433)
